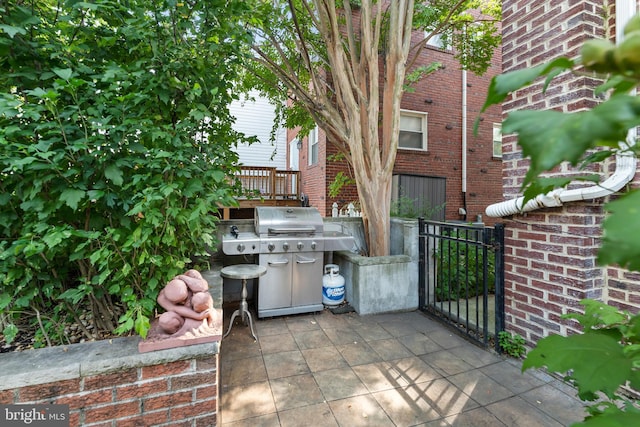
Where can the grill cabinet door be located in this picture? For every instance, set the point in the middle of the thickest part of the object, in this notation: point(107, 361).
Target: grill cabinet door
point(307, 278)
point(274, 290)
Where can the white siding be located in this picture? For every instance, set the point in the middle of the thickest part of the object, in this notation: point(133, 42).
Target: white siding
point(256, 118)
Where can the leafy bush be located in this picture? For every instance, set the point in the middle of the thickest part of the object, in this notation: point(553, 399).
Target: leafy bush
point(115, 150)
point(512, 344)
point(407, 207)
point(460, 267)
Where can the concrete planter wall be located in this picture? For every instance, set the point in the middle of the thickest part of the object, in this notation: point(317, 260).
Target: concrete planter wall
point(387, 283)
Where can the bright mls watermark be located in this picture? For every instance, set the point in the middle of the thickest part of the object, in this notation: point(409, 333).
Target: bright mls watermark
point(34, 415)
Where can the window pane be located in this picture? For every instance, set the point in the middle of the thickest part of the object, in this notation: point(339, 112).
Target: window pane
point(410, 140)
point(497, 140)
point(411, 123)
point(313, 146)
point(497, 148)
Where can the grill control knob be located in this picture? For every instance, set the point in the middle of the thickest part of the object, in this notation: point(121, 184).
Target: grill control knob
point(241, 247)
point(300, 246)
point(285, 246)
point(271, 247)
point(313, 245)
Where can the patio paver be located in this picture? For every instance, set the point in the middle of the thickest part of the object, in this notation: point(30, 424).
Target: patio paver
point(401, 369)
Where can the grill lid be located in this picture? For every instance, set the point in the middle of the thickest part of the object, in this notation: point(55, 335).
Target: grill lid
point(275, 220)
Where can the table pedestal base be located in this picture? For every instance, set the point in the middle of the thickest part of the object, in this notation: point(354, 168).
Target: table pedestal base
point(243, 312)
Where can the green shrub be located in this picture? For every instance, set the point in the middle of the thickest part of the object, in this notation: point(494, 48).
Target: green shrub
point(109, 168)
point(460, 267)
point(406, 207)
point(513, 345)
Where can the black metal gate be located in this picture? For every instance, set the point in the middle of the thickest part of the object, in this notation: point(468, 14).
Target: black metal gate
point(461, 277)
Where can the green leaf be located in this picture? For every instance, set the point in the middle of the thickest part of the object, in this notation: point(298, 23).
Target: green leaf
point(5, 300)
point(597, 361)
point(72, 197)
point(55, 238)
point(565, 137)
point(63, 73)
point(623, 222)
point(142, 325)
point(74, 295)
point(10, 332)
point(597, 314)
point(621, 419)
point(503, 84)
point(12, 31)
point(114, 174)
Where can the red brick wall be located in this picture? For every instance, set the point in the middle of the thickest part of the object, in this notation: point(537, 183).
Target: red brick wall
point(550, 260)
point(443, 157)
point(181, 393)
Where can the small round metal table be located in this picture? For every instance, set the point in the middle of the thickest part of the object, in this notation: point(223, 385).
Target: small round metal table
point(243, 272)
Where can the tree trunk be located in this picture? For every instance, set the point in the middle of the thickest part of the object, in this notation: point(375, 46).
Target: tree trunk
point(375, 201)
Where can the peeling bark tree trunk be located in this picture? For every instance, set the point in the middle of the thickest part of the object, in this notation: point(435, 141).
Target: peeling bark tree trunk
point(372, 137)
point(348, 109)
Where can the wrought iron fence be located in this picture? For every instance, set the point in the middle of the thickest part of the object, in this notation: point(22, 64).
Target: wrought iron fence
point(461, 277)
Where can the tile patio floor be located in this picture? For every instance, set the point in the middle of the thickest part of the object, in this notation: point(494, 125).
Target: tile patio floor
point(382, 370)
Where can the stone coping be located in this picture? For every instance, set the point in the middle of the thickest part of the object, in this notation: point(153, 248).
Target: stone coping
point(51, 364)
point(364, 260)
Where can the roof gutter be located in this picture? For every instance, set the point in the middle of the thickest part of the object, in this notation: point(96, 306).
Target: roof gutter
point(626, 161)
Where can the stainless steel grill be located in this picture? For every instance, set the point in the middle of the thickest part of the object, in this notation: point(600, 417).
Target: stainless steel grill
point(290, 243)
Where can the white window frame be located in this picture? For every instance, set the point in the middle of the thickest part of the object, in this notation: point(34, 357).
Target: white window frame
point(424, 117)
point(497, 140)
point(313, 147)
point(436, 41)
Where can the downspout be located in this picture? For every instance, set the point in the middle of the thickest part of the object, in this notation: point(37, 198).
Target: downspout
point(626, 161)
point(464, 144)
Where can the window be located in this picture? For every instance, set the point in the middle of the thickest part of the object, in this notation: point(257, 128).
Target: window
point(437, 41)
point(413, 130)
point(313, 146)
point(497, 140)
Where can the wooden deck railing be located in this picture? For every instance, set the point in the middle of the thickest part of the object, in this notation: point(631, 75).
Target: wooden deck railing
point(264, 186)
point(269, 183)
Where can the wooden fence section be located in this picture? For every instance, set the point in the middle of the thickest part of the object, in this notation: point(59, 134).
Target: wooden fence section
point(266, 186)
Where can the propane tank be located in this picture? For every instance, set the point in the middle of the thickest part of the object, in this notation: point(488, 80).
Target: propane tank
point(332, 285)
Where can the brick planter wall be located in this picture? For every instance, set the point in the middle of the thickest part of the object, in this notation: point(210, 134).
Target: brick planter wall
point(550, 260)
point(109, 383)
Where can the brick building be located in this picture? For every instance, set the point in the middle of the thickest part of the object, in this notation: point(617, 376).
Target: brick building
point(442, 110)
point(550, 260)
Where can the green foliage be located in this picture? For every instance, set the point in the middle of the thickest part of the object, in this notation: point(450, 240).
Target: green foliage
point(513, 345)
point(606, 356)
point(598, 362)
point(460, 267)
point(338, 182)
point(115, 147)
point(407, 207)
